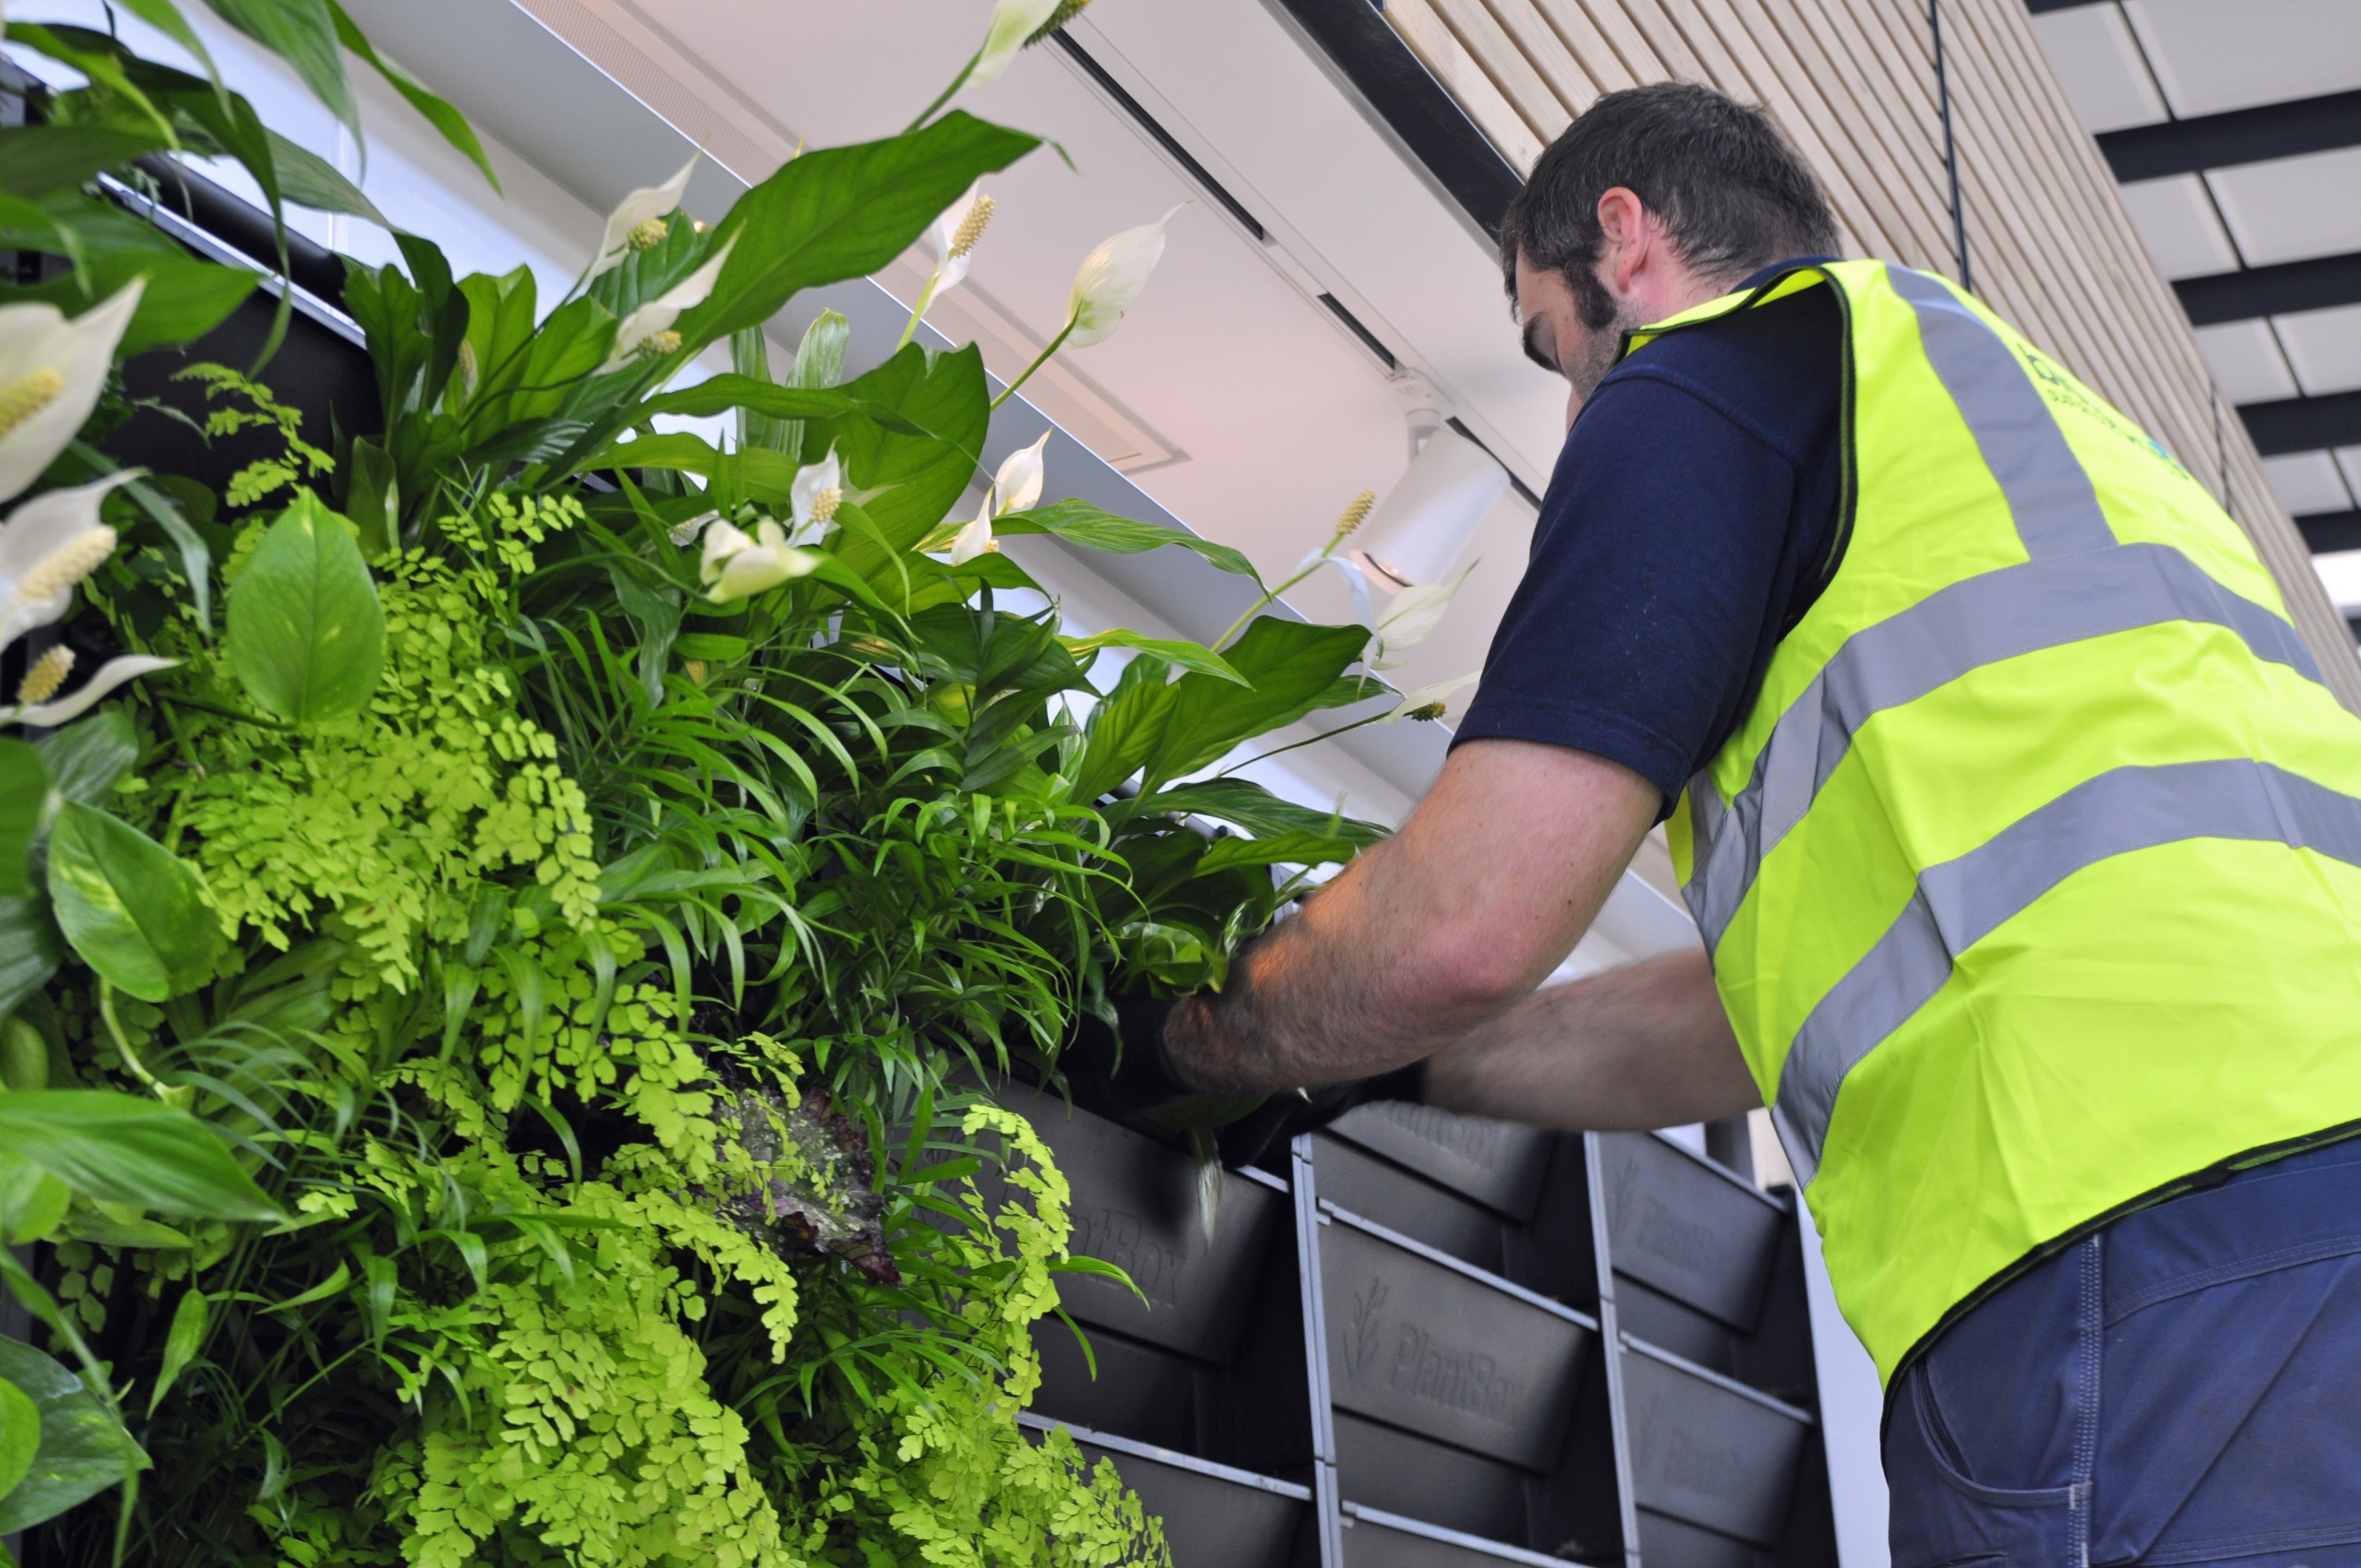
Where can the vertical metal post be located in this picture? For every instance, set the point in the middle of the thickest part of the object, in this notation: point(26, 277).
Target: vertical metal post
point(1610, 1339)
point(1950, 147)
point(1325, 1499)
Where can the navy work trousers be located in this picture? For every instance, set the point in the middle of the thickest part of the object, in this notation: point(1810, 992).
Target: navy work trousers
point(2182, 1387)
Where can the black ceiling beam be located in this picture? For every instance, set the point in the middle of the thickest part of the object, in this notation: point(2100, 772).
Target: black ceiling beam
point(1418, 108)
point(2324, 531)
point(2303, 424)
point(2272, 291)
point(2242, 135)
point(2039, 7)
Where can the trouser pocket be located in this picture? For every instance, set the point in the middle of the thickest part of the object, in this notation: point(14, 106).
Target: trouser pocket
point(1941, 1516)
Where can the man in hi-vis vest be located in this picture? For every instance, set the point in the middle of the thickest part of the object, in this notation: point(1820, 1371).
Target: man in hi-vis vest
point(2022, 836)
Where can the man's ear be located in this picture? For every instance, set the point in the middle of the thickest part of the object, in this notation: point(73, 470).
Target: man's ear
point(1629, 230)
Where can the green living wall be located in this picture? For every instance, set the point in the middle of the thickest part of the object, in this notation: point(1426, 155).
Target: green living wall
point(498, 963)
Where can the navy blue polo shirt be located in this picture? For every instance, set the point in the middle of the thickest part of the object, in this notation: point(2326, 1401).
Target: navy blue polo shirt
point(1689, 523)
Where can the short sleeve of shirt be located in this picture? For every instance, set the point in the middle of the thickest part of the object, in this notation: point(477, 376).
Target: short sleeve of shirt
point(1690, 521)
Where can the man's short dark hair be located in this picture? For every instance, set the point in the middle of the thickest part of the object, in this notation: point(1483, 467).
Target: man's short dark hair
point(1734, 195)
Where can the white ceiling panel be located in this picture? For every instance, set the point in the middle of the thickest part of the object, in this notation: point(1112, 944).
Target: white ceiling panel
point(2246, 361)
point(2349, 459)
point(2215, 55)
point(2340, 573)
point(2290, 209)
point(2308, 483)
point(2177, 225)
point(2097, 62)
point(2324, 348)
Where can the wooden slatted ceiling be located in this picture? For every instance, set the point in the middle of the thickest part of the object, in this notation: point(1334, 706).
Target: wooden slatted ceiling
point(1852, 81)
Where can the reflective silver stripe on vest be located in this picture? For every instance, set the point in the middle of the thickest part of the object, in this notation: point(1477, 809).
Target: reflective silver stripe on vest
point(1975, 622)
point(2050, 496)
point(1960, 902)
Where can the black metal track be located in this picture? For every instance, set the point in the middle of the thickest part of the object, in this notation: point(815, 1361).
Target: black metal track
point(2272, 291)
point(245, 228)
point(2324, 531)
point(2242, 135)
point(2303, 424)
point(1164, 139)
point(1427, 119)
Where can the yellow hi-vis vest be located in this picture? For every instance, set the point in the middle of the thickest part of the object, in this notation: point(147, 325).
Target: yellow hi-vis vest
point(2033, 877)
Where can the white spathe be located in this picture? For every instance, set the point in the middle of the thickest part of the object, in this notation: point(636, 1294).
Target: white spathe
point(652, 201)
point(976, 537)
point(737, 567)
point(659, 313)
point(72, 705)
point(52, 371)
point(1018, 483)
point(1110, 280)
point(46, 546)
point(1414, 613)
point(1012, 22)
point(813, 482)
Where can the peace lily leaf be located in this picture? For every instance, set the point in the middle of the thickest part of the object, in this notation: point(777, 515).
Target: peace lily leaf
point(843, 212)
point(84, 760)
point(308, 180)
point(24, 798)
point(1296, 848)
point(307, 637)
point(83, 1450)
point(20, 1436)
point(303, 33)
point(123, 1149)
point(1125, 728)
point(1290, 664)
point(31, 1200)
point(30, 949)
point(1185, 655)
point(1079, 522)
point(438, 113)
point(182, 1343)
point(133, 910)
point(36, 160)
point(719, 394)
point(146, 1234)
point(1243, 803)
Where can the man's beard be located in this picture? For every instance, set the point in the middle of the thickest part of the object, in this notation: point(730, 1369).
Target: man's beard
point(1605, 319)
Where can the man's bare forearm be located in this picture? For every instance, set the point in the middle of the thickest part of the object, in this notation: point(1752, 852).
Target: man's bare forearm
point(1434, 932)
point(1647, 1046)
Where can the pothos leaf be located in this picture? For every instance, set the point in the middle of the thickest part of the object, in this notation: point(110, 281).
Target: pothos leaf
point(134, 911)
point(83, 1450)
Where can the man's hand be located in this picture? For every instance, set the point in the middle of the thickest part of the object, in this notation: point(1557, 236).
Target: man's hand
point(1432, 934)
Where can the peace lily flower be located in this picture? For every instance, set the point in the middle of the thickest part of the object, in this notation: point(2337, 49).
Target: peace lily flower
point(46, 546)
point(1014, 487)
point(1019, 479)
point(818, 491)
point(1110, 280)
point(1014, 24)
point(52, 370)
point(975, 539)
point(953, 237)
point(48, 674)
point(648, 330)
point(1414, 613)
point(735, 565)
point(1427, 702)
point(638, 223)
